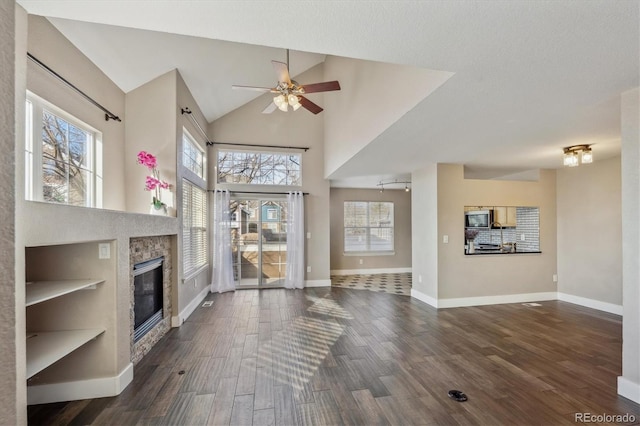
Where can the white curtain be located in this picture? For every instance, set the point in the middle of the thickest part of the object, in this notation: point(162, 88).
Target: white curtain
point(294, 276)
point(222, 279)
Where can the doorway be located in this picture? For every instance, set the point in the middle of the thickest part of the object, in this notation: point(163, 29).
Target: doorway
point(259, 242)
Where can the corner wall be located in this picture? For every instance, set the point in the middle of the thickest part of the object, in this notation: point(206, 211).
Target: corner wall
point(401, 259)
point(629, 382)
point(589, 234)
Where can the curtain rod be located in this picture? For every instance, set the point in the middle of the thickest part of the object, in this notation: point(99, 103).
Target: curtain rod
point(258, 192)
point(107, 114)
point(187, 111)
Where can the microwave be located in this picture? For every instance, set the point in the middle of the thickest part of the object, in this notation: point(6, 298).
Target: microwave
point(478, 219)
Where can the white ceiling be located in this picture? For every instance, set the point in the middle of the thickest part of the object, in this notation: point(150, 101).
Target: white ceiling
point(529, 77)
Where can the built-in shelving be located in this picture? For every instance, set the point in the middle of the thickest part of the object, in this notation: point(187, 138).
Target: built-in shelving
point(45, 348)
point(40, 291)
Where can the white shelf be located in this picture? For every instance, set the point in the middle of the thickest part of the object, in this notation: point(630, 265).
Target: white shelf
point(39, 291)
point(46, 347)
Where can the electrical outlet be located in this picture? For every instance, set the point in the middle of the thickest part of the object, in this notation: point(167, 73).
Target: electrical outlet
point(555, 278)
point(308, 268)
point(308, 235)
point(361, 261)
point(445, 239)
point(104, 251)
point(419, 278)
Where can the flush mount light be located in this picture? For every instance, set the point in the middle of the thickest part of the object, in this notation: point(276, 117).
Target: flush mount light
point(573, 153)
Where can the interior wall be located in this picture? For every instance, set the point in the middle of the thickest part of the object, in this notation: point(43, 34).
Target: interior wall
point(301, 128)
point(590, 230)
point(47, 44)
point(402, 230)
point(629, 382)
point(8, 400)
point(151, 127)
point(425, 240)
point(462, 276)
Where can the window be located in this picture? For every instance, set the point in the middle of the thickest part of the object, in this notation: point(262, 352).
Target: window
point(272, 214)
point(368, 227)
point(259, 168)
point(62, 157)
point(193, 158)
point(194, 227)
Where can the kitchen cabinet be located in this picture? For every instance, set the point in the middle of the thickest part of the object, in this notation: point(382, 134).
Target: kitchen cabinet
point(505, 216)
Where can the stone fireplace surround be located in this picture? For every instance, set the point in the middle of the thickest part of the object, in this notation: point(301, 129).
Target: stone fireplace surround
point(142, 249)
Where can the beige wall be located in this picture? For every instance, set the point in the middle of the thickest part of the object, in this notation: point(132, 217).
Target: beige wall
point(590, 231)
point(402, 229)
point(151, 127)
point(424, 230)
point(47, 44)
point(461, 276)
point(8, 407)
point(300, 128)
point(629, 382)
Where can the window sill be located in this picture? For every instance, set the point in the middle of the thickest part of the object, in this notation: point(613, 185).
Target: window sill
point(369, 253)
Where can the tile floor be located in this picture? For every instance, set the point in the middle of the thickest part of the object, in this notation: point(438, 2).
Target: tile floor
point(399, 284)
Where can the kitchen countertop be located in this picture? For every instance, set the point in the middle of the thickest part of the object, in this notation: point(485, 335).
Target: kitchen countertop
point(500, 252)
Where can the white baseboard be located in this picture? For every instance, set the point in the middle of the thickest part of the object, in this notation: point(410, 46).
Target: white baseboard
point(82, 389)
point(177, 321)
point(496, 300)
point(629, 389)
point(591, 303)
point(370, 271)
point(424, 298)
point(317, 283)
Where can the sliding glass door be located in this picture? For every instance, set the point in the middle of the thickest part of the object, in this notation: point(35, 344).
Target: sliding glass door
point(259, 242)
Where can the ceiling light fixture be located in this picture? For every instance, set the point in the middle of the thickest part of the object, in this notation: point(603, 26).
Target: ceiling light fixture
point(284, 102)
point(572, 153)
point(406, 184)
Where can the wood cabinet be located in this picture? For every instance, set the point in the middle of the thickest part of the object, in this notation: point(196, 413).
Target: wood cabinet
point(505, 216)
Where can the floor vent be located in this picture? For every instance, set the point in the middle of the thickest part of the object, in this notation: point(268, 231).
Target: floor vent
point(532, 304)
point(207, 304)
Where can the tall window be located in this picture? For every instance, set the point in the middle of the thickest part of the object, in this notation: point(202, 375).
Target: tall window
point(62, 157)
point(194, 227)
point(193, 158)
point(259, 168)
point(368, 227)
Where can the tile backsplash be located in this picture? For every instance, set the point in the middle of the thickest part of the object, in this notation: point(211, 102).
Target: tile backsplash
point(527, 224)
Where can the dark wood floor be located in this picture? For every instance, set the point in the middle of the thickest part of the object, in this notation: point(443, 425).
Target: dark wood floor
point(337, 356)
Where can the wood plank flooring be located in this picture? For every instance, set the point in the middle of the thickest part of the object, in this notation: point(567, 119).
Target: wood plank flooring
point(329, 356)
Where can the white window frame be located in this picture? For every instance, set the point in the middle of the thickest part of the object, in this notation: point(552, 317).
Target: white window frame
point(248, 185)
point(190, 145)
point(368, 251)
point(34, 109)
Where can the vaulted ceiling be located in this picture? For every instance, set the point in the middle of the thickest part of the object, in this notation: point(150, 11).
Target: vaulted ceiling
point(514, 81)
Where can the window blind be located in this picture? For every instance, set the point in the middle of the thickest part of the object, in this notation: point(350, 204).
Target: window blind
point(194, 227)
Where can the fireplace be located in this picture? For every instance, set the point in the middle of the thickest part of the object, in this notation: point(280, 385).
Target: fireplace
point(147, 296)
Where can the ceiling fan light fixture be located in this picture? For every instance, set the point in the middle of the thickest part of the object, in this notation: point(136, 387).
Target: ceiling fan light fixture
point(279, 100)
point(293, 100)
point(284, 107)
point(296, 106)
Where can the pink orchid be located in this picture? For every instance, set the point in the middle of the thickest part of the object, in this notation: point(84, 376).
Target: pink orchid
point(152, 183)
point(147, 160)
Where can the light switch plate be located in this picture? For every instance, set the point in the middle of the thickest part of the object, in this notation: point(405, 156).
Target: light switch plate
point(445, 239)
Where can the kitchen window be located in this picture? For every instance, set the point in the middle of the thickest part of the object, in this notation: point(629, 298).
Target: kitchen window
point(62, 156)
point(368, 227)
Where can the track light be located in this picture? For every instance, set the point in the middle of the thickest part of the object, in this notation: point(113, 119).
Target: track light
point(406, 184)
point(571, 153)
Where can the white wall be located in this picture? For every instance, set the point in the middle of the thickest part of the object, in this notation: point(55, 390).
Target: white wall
point(629, 382)
point(425, 240)
point(590, 230)
point(8, 406)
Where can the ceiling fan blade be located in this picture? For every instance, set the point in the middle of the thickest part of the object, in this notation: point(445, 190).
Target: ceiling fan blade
point(255, 88)
point(327, 86)
point(270, 108)
point(306, 103)
point(282, 71)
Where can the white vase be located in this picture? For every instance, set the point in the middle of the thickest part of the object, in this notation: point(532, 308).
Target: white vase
point(158, 211)
point(470, 247)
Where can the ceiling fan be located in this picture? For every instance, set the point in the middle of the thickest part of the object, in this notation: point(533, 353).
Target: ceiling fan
point(289, 93)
